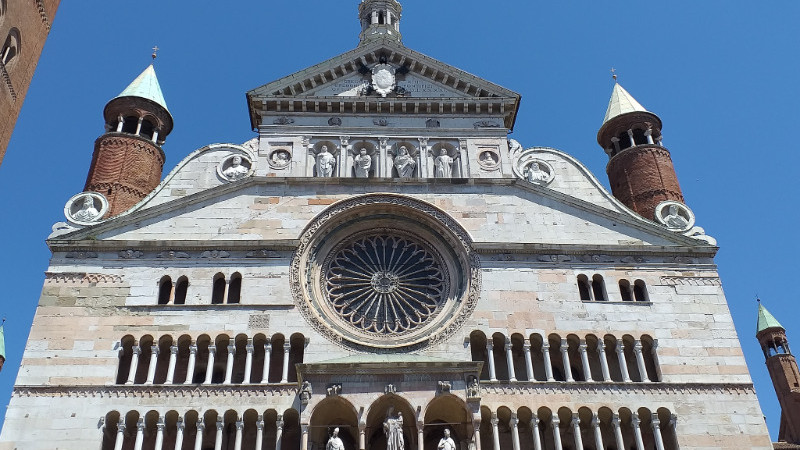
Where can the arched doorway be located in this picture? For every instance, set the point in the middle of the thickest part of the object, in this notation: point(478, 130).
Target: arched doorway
point(331, 413)
point(448, 411)
point(375, 437)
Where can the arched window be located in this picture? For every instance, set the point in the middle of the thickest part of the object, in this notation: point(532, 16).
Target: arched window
point(218, 293)
point(235, 288)
point(147, 129)
point(625, 291)
point(180, 290)
point(11, 48)
point(599, 288)
point(640, 291)
point(164, 290)
point(624, 140)
point(380, 18)
point(584, 288)
point(129, 124)
point(638, 137)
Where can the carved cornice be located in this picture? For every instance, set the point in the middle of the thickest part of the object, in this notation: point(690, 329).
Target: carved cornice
point(78, 277)
point(691, 281)
point(522, 388)
point(160, 391)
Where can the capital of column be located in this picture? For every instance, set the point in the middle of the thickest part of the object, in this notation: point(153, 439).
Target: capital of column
point(489, 345)
point(268, 347)
point(193, 349)
point(526, 345)
point(637, 347)
point(495, 421)
point(635, 420)
point(136, 350)
point(601, 345)
point(615, 420)
point(121, 425)
point(576, 420)
point(514, 422)
point(656, 424)
point(620, 346)
point(239, 425)
point(595, 420)
point(212, 349)
point(556, 421)
point(250, 348)
point(564, 345)
point(140, 424)
point(220, 424)
point(583, 346)
point(673, 421)
point(201, 426)
point(508, 346)
point(534, 421)
point(545, 346)
point(260, 423)
point(155, 350)
point(231, 349)
point(173, 350)
point(160, 425)
point(287, 346)
point(279, 422)
point(181, 426)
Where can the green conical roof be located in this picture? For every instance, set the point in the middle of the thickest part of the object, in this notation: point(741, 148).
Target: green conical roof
point(621, 103)
point(146, 86)
point(766, 320)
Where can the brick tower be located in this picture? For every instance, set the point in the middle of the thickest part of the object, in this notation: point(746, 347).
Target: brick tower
point(128, 159)
point(639, 169)
point(783, 370)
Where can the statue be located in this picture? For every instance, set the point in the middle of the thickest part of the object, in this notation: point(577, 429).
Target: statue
point(87, 213)
point(305, 392)
point(675, 221)
point(335, 442)
point(393, 428)
point(404, 163)
point(236, 170)
point(362, 164)
point(473, 387)
point(325, 163)
point(446, 442)
point(535, 174)
point(444, 165)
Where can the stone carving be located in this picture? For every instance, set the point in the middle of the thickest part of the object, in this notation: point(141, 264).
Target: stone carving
point(215, 254)
point(81, 255)
point(432, 123)
point(172, 254)
point(514, 147)
point(489, 158)
point(234, 168)
point(263, 254)
point(446, 442)
point(383, 79)
point(305, 392)
point(283, 120)
point(258, 322)
point(404, 163)
point(393, 428)
point(326, 162)
point(334, 390)
point(381, 122)
point(280, 159)
point(444, 387)
point(390, 389)
point(335, 121)
point(473, 388)
point(675, 216)
point(538, 172)
point(362, 164)
point(251, 145)
point(443, 164)
point(130, 254)
point(335, 442)
point(486, 124)
point(78, 277)
point(86, 208)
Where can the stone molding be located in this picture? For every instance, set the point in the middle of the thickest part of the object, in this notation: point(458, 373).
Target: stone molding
point(78, 277)
point(691, 281)
point(522, 387)
point(159, 391)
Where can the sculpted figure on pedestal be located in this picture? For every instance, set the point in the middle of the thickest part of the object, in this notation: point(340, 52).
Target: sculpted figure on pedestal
point(444, 165)
point(393, 428)
point(446, 442)
point(335, 442)
point(362, 164)
point(325, 163)
point(404, 163)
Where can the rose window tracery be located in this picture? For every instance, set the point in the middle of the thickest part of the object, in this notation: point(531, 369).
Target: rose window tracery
point(385, 284)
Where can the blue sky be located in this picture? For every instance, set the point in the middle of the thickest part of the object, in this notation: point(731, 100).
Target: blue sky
point(722, 75)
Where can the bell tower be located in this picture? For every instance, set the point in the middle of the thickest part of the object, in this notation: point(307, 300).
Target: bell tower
point(380, 19)
point(640, 168)
point(128, 159)
point(783, 370)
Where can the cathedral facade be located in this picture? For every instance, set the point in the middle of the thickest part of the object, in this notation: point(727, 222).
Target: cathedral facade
point(381, 267)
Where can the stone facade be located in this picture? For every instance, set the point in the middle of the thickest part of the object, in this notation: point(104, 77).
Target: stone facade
point(24, 27)
point(264, 293)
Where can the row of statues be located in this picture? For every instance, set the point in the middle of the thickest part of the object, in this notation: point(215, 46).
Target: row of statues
point(393, 429)
point(404, 163)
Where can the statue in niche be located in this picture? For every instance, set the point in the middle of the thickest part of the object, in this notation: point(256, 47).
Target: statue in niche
point(443, 164)
point(404, 163)
point(473, 387)
point(236, 170)
point(393, 428)
point(362, 164)
point(674, 220)
point(535, 174)
point(87, 213)
point(446, 442)
point(325, 163)
point(335, 442)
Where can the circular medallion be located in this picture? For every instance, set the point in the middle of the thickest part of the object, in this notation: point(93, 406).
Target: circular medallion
point(534, 170)
point(235, 167)
point(383, 79)
point(86, 208)
point(675, 216)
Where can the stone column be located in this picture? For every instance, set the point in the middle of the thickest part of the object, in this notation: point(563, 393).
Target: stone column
point(598, 433)
point(601, 352)
point(278, 431)
point(120, 434)
point(139, 125)
point(139, 434)
point(120, 123)
point(537, 439)
point(212, 354)
point(617, 431)
point(218, 437)
point(267, 356)
point(198, 439)
point(173, 360)
point(384, 170)
point(285, 376)
point(137, 352)
point(229, 363)
point(259, 433)
point(495, 432)
point(362, 439)
point(490, 350)
point(237, 445)
point(565, 358)
point(422, 158)
point(656, 424)
point(526, 348)
point(637, 350)
point(477, 427)
point(557, 433)
point(637, 431)
point(548, 364)
point(420, 435)
point(151, 370)
point(179, 435)
point(654, 354)
point(342, 169)
point(303, 437)
point(615, 141)
point(160, 425)
point(512, 376)
point(248, 363)
point(576, 430)
point(630, 135)
point(649, 135)
point(673, 424)
point(191, 364)
point(587, 368)
point(623, 363)
point(514, 424)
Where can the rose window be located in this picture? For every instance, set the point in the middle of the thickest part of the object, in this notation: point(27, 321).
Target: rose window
point(385, 284)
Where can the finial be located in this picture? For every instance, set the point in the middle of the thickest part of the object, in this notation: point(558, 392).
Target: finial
point(614, 73)
point(155, 52)
point(758, 299)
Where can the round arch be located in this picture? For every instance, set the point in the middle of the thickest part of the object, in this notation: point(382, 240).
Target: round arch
point(447, 411)
point(331, 413)
point(390, 404)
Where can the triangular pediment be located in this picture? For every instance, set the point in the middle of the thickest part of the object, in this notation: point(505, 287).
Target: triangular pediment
point(349, 76)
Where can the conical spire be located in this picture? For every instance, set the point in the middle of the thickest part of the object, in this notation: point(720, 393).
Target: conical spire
point(766, 320)
point(621, 103)
point(146, 86)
